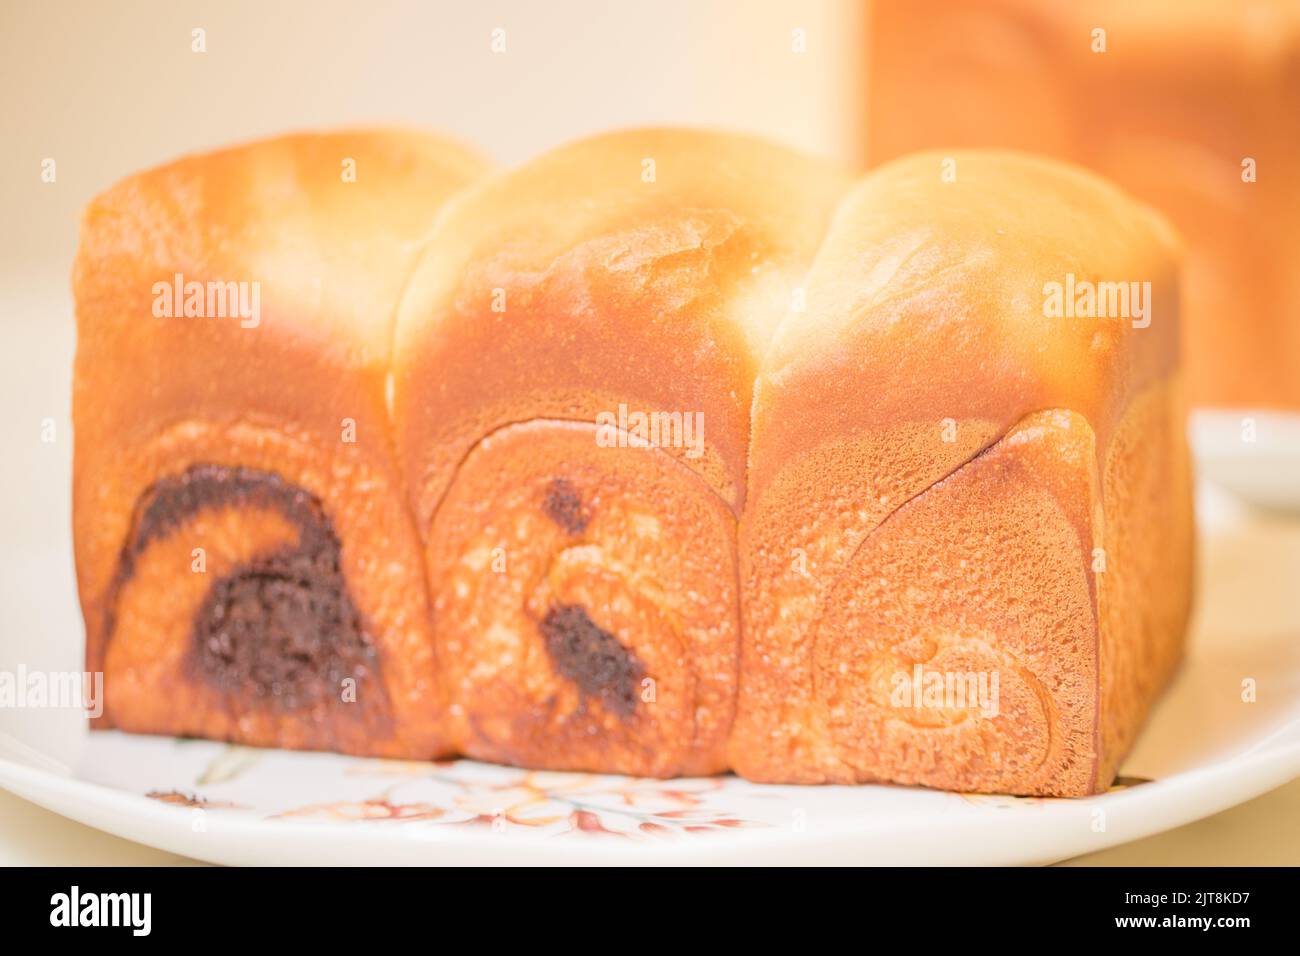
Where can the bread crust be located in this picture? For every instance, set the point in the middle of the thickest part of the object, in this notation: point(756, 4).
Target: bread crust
point(646, 267)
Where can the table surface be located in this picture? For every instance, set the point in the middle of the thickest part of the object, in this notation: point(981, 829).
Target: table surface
point(1261, 832)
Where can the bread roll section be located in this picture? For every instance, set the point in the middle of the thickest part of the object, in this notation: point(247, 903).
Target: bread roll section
point(944, 475)
point(575, 362)
point(586, 605)
point(247, 565)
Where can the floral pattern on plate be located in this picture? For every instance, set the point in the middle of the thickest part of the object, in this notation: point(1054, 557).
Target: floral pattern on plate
point(461, 793)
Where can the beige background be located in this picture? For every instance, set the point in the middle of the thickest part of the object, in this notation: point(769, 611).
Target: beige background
point(106, 88)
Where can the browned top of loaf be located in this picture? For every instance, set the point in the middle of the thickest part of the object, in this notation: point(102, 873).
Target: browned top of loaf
point(330, 254)
point(646, 266)
point(927, 301)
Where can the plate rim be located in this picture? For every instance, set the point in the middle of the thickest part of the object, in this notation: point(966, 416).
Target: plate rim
point(1036, 834)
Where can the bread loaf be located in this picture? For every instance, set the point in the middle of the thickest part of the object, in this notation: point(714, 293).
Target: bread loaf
point(676, 452)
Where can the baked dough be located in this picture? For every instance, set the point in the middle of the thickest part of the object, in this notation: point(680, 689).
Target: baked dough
point(247, 565)
point(667, 452)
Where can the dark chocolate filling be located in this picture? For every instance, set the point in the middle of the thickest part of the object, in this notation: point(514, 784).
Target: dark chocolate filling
point(563, 505)
point(280, 631)
point(592, 658)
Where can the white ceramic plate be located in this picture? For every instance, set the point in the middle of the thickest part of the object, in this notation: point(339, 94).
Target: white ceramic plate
point(240, 806)
point(1204, 750)
point(1253, 453)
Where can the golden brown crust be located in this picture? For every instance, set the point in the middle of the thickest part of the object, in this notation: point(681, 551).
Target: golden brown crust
point(295, 388)
point(1145, 593)
point(646, 267)
point(934, 292)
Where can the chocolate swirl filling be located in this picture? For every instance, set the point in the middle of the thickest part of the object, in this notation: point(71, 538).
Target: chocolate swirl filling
point(563, 505)
point(593, 658)
point(281, 631)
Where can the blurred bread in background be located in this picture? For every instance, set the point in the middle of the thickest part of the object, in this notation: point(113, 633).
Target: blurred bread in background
point(1192, 105)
